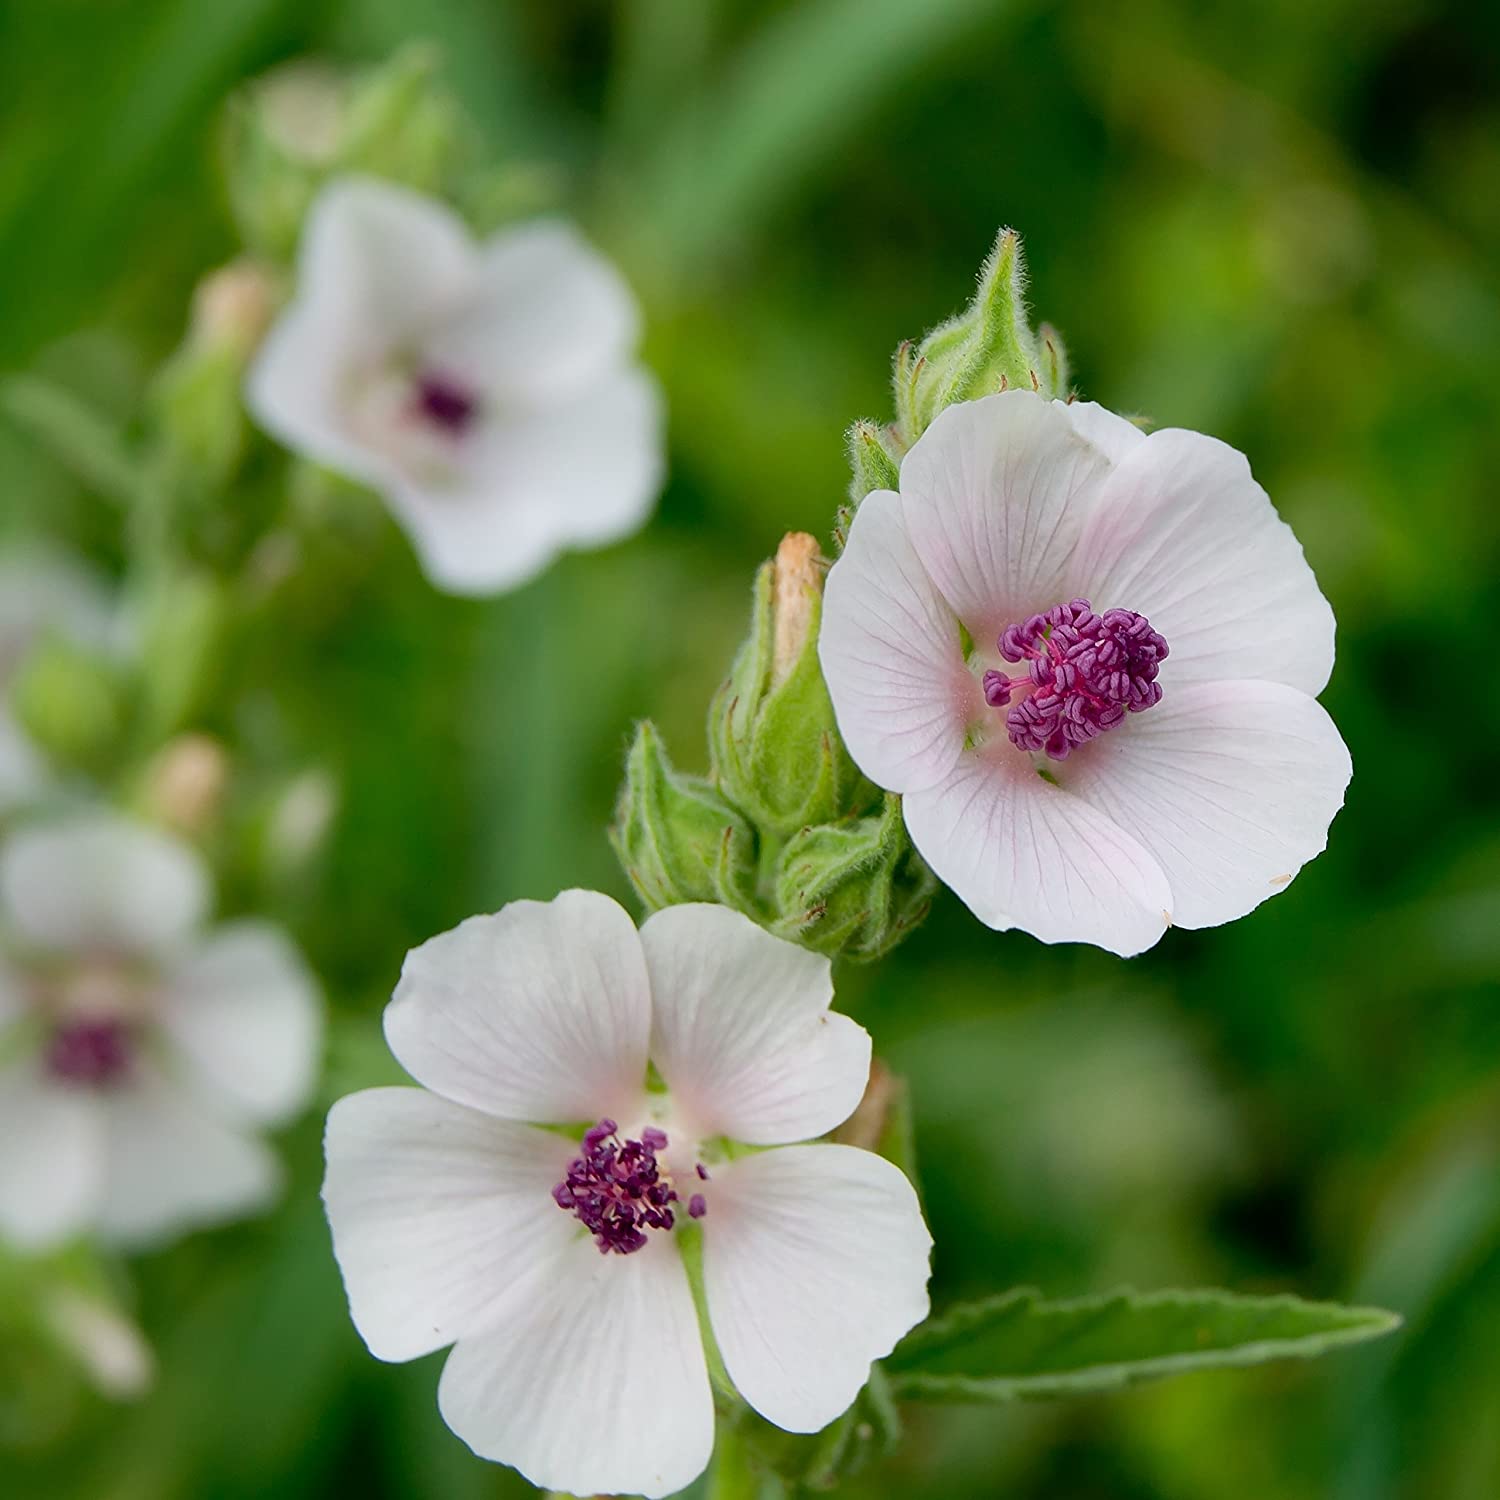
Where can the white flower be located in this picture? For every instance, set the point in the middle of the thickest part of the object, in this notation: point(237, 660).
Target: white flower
point(138, 1055)
point(42, 591)
point(578, 1357)
point(488, 391)
point(1088, 660)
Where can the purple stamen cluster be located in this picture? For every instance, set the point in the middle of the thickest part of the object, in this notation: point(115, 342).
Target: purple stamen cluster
point(616, 1189)
point(93, 1053)
point(444, 404)
point(1086, 673)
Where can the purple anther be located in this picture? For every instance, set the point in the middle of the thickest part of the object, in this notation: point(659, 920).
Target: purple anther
point(616, 1190)
point(94, 1053)
point(697, 1206)
point(444, 403)
point(1084, 673)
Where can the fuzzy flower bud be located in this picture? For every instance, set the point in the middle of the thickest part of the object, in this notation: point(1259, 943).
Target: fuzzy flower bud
point(774, 748)
point(677, 839)
point(854, 888)
point(70, 701)
point(988, 347)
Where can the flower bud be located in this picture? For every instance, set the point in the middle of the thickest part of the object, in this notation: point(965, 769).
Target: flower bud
point(185, 784)
point(988, 347)
point(854, 888)
point(288, 132)
point(774, 748)
point(196, 396)
point(183, 633)
point(70, 701)
point(676, 837)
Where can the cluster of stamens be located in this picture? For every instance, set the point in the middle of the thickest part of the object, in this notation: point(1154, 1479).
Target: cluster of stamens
point(92, 1052)
point(1085, 673)
point(443, 403)
point(617, 1189)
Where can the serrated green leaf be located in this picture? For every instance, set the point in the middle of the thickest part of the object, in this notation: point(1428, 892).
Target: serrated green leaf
point(1018, 1345)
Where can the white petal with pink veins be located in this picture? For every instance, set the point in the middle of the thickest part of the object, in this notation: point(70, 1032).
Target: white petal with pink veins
point(437, 1211)
point(892, 655)
point(1231, 785)
point(742, 1032)
point(1022, 852)
point(1185, 536)
point(995, 495)
point(814, 1265)
point(592, 1378)
point(541, 1012)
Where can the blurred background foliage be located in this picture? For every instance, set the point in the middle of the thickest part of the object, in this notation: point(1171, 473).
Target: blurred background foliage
point(1278, 223)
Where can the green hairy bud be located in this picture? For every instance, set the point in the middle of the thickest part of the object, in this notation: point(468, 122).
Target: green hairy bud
point(988, 347)
point(773, 745)
point(855, 888)
point(70, 701)
point(676, 837)
point(784, 829)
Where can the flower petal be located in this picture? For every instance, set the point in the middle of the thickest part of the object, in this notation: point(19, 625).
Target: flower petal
point(814, 1265)
point(579, 473)
point(541, 1012)
point(593, 1379)
point(995, 494)
point(1019, 851)
point(551, 317)
point(98, 881)
point(379, 266)
point(173, 1166)
point(742, 1032)
point(1231, 785)
point(1185, 536)
point(892, 655)
point(51, 1157)
point(437, 1213)
point(245, 1011)
point(1112, 435)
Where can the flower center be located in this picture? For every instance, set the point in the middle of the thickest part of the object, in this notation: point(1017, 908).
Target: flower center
point(617, 1189)
point(1085, 673)
point(443, 403)
point(92, 1051)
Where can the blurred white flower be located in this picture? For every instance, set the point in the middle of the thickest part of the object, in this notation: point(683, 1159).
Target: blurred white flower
point(1088, 659)
point(488, 391)
point(556, 1263)
point(138, 1054)
point(40, 591)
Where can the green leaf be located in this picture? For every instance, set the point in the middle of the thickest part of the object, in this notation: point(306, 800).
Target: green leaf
point(1018, 1345)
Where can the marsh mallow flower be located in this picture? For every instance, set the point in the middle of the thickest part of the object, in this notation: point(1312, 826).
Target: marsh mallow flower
point(1088, 659)
point(551, 1253)
point(139, 1054)
point(488, 390)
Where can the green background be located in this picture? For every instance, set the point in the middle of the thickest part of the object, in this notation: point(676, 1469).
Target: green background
point(1278, 223)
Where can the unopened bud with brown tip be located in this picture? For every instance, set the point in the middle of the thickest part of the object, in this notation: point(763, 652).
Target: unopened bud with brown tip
point(233, 306)
point(186, 782)
point(774, 747)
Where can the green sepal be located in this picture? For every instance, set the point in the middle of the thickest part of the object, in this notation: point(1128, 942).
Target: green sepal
point(989, 347)
point(184, 634)
point(774, 747)
point(676, 837)
point(1018, 1345)
point(869, 1431)
point(854, 888)
point(71, 701)
point(874, 460)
